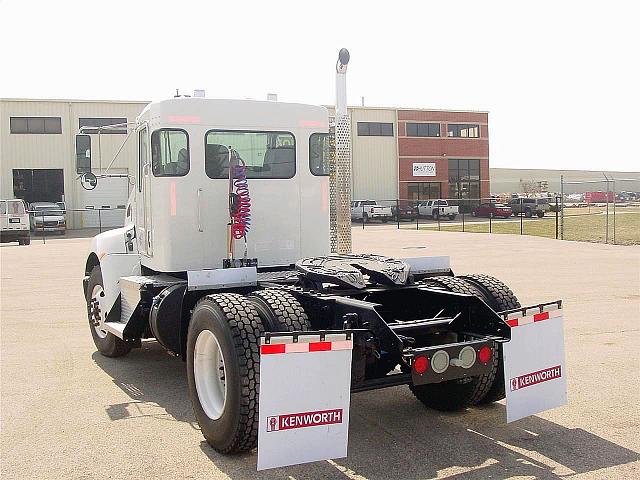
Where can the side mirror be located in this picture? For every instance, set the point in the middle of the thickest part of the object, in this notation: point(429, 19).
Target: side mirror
point(83, 154)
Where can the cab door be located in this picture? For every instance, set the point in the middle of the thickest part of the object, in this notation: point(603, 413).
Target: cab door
point(144, 224)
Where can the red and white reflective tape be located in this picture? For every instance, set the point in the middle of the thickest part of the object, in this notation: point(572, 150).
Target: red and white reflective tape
point(305, 347)
point(517, 319)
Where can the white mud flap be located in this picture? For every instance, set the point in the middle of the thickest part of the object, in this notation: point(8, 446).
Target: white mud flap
point(535, 376)
point(304, 399)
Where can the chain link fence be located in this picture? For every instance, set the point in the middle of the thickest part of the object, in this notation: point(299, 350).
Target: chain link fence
point(559, 216)
point(45, 225)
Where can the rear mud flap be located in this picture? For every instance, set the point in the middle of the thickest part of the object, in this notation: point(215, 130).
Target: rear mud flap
point(535, 374)
point(305, 382)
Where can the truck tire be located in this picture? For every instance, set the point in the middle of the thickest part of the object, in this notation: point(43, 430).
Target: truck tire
point(106, 342)
point(455, 394)
point(223, 361)
point(435, 214)
point(527, 213)
point(499, 297)
point(540, 214)
point(452, 217)
point(365, 218)
point(279, 311)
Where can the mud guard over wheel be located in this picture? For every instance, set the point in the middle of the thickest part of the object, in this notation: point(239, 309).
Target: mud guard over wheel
point(223, 360)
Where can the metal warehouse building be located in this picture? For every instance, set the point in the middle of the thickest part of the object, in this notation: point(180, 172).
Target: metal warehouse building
point(37, 155)
point(397, 153)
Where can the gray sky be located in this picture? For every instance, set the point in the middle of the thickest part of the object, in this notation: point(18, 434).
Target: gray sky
point(560, 79)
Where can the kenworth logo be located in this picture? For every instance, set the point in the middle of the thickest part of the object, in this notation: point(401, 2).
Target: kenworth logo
point(540, 376)
point(306, 419)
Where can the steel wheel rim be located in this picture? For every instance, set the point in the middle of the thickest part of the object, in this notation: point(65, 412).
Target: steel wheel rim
point(210, 373)
point(97, 311)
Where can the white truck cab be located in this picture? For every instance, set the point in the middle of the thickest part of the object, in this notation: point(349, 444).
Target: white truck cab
point(178, 213)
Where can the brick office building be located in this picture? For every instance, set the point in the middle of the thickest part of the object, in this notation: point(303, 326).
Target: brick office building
point(443, 155)
point(413, 154)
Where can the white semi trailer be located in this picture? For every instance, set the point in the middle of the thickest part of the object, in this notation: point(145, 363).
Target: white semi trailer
point(227, 240)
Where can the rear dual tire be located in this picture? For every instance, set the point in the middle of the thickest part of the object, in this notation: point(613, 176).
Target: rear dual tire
point(223, 358)
point(457, 394)
point(223, 361)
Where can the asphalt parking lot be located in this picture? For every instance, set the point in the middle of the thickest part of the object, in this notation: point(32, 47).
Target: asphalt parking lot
point(68, 412)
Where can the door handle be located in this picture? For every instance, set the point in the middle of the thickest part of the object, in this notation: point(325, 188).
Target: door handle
point(199, 210)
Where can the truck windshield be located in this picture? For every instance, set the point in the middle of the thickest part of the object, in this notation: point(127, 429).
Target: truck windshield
point(266, 154)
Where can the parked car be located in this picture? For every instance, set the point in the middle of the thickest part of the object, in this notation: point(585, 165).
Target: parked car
point(492, 210)
point(405, 211)
point(365, 210)
point(47, 217)
point(437, 209)
point(529, 206)
point(14, 222)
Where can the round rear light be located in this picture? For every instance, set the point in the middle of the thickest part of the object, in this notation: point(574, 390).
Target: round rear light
point(467, 357)
point(440, 361)
point(420, 365)
point(485, 354)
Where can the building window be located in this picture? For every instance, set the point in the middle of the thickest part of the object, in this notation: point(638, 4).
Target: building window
point(463, 130)
point(266, 154)
point(423, 129)
point(464, 183)
point(424, 191)
point(103, 122)
point(169, 153)
point(375, 129)
point(36, 125)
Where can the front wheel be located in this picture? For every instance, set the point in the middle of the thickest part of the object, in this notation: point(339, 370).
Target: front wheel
point(452, 217)
point(106, 342)
point(223, 361)
point(540, 214)
point(527, 213)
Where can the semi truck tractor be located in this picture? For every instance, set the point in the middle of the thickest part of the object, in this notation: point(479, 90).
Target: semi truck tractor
point(229, 238)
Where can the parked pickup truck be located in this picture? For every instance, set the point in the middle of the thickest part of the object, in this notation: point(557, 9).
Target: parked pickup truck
point(437, 209)
point(529, 206)
point(365, 210)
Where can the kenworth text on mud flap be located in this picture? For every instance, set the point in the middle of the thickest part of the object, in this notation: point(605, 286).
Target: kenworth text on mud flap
point(237, 237)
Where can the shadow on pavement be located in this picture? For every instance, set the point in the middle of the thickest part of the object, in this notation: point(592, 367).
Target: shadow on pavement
point(391, 434)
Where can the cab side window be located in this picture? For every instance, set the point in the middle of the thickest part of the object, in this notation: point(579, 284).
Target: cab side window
point(170, 153)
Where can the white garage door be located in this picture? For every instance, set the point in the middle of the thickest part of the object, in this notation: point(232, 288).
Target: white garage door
point(106, 202)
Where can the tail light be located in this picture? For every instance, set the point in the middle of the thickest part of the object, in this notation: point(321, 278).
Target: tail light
point(485, 354)
point(371, 209)
point(420, 364)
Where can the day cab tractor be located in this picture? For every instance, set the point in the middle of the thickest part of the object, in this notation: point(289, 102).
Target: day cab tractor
point(227, 239)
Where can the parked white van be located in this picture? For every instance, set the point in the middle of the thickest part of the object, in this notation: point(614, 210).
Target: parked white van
point(14, 222)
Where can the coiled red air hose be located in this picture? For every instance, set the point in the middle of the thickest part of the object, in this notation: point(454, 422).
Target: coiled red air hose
point(242, 215)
